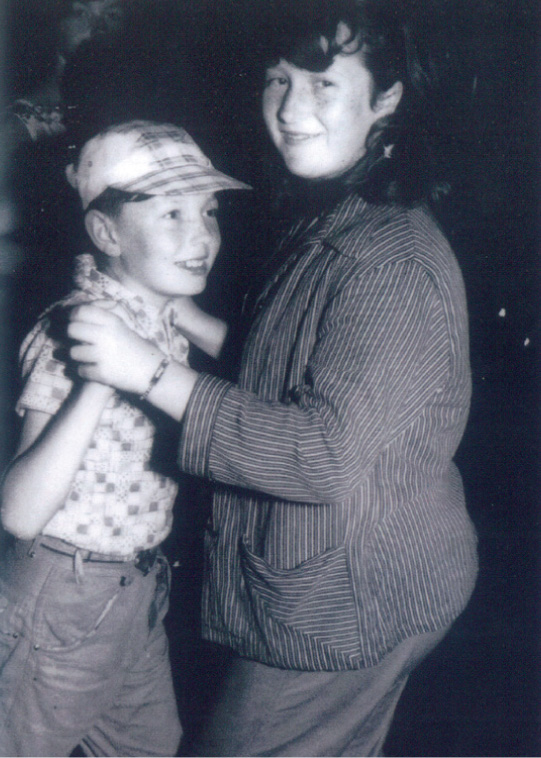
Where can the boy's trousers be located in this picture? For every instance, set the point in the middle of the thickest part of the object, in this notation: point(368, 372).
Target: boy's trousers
point(84, 656)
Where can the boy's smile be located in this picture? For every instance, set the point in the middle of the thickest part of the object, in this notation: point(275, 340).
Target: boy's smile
point(165, 246)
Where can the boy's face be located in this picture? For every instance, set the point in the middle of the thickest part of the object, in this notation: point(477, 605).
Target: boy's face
point(165, 246)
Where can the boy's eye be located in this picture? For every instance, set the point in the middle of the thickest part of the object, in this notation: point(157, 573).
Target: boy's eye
point(173, 214)
point(324, 83)
point(213, 212)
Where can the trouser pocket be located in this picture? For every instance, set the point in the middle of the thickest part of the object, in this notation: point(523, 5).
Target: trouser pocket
point(160, 602)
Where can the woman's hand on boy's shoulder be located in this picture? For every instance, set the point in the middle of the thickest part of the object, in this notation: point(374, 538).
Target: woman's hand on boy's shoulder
point(106, 350)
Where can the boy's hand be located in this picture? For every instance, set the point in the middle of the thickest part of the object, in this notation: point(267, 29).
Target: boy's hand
point(199, 327)
point(108, 351)
point(186, 311)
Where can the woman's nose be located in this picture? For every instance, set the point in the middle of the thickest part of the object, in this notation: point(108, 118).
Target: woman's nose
point(295, 103)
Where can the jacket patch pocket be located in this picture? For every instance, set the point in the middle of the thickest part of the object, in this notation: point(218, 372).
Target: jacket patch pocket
point(307, 615)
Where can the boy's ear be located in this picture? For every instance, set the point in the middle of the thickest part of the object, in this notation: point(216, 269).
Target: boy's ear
point(387, 101)
point(101, 229)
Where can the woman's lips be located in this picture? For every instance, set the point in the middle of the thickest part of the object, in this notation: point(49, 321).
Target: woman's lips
point(294, 138)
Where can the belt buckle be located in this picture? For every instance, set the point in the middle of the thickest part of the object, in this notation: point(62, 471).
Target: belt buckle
point(145, 560)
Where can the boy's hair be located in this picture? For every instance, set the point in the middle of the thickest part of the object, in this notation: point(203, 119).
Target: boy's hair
point(111, 201)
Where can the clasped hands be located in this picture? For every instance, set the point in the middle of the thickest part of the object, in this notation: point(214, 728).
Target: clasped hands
point(108, 351)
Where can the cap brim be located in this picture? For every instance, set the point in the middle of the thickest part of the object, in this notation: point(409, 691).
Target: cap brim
point(182, 180)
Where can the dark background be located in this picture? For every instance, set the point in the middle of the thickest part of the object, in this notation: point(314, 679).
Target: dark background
point(479, 693)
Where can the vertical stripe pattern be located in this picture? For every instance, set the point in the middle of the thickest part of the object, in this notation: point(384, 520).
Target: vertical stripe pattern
point(339, 526)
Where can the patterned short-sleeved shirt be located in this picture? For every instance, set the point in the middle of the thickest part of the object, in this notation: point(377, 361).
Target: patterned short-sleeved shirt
point(117, 502)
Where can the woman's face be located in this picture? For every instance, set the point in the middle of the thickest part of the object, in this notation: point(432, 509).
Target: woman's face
point(319, 121)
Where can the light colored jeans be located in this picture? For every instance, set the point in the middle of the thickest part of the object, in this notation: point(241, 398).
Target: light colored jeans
point(265, 711)
point(84, 657)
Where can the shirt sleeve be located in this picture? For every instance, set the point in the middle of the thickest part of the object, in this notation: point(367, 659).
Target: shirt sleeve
point(45, 382)
point(382, 350)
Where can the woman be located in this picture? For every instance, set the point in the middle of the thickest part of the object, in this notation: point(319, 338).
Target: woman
point(339, 550)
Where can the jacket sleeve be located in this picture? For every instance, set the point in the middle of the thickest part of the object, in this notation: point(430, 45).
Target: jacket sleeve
point(382, 350)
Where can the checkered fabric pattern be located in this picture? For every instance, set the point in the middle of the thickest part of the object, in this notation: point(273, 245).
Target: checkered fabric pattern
point(148, 158)
point(117, 503)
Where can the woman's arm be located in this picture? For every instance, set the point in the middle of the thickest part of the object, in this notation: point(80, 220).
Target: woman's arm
point(199, 327)
point(50, 451)
point(381, 352)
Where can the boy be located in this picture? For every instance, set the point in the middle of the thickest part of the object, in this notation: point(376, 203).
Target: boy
point(84, 585)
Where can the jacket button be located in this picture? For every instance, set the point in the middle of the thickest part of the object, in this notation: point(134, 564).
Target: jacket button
point(295, 393)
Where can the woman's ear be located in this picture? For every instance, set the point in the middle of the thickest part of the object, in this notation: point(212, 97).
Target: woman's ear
point(101, 229)
point(387, 102)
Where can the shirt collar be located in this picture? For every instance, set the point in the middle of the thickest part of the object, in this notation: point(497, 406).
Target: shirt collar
point(147, 319)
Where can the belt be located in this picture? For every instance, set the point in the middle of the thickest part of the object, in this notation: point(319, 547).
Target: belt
point(143, 560)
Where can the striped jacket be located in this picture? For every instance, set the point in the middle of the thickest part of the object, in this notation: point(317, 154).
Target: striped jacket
point(339, 526)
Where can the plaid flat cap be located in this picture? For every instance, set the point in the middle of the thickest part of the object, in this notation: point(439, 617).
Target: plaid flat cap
point(147, 158)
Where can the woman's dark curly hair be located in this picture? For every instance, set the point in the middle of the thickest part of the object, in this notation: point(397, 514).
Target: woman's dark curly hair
point(397, 166)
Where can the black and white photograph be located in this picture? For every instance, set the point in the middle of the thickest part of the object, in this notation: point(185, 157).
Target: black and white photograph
point(270, 386)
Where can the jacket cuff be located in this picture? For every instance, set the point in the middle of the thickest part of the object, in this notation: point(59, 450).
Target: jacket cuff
point(198, 426)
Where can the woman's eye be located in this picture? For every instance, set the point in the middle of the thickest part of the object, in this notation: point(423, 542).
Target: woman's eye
point(275, 81)
point(173, 215)
point(212, 212)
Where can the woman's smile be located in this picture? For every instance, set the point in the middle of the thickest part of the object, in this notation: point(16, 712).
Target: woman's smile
point(328, 114)
point(292, 137)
